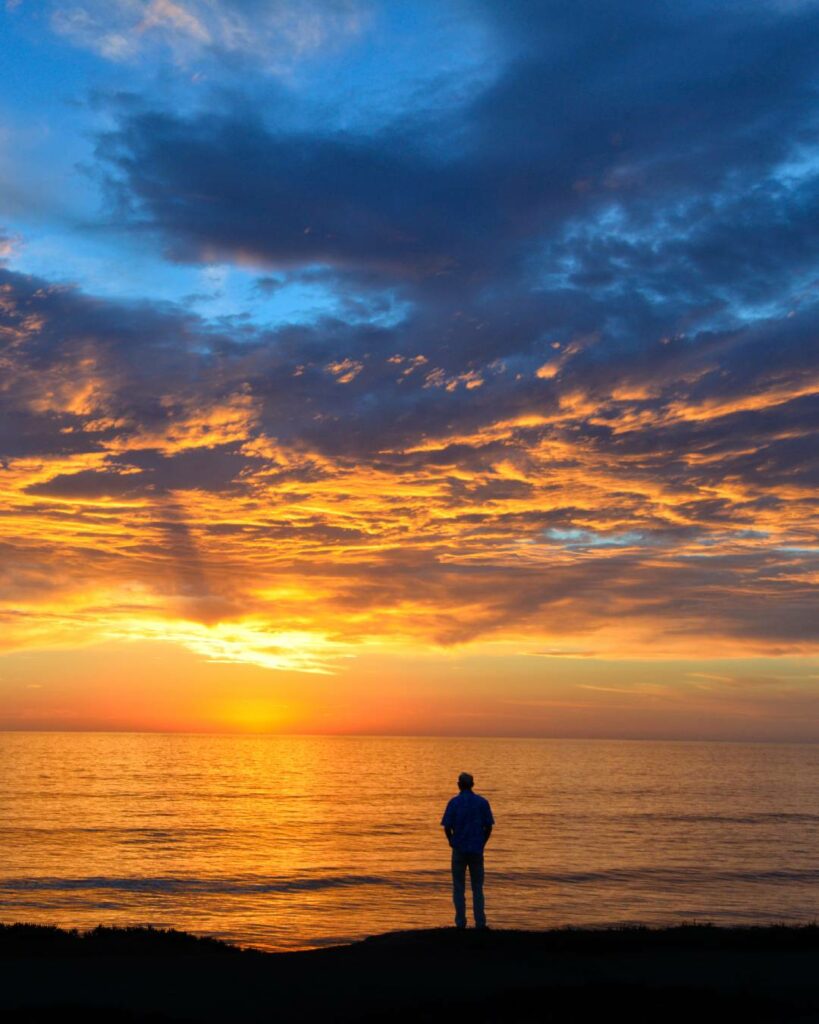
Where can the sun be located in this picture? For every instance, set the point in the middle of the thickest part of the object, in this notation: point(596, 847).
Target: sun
point(253, 715)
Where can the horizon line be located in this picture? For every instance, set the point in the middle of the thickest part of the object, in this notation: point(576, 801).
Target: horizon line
point(409, 736)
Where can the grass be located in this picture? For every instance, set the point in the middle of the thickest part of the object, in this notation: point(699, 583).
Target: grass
point(48, 940)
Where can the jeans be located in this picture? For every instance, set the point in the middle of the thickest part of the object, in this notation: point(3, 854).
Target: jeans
point(460, 862)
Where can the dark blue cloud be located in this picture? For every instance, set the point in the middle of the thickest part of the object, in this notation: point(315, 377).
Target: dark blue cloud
point(606, 104)
point(637, 173)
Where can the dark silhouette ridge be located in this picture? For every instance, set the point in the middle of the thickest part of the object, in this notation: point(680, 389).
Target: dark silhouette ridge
point(700, 972)
point(46, 940)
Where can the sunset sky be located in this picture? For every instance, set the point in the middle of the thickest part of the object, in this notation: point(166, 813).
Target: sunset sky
point(410, 367)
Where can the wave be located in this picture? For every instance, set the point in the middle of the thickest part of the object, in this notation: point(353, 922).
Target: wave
point(662, 817)
point(170, 885)
point(113, 830)
point(667, 877)
point(759, 818)
point(206, 886)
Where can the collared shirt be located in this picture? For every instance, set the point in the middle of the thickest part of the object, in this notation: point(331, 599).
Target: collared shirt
point(468, 815)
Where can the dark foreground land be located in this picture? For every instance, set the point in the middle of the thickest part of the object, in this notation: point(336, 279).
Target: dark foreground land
point(690, 973)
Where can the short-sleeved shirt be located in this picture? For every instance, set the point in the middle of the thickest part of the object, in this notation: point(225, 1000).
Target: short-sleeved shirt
point(468, 815)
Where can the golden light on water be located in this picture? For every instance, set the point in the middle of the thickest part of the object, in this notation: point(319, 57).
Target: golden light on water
point(283, 841)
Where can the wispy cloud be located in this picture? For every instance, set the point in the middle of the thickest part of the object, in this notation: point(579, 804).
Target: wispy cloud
point(273, 35)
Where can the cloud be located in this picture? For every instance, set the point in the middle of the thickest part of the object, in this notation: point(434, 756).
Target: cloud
point(9, 245)
point(271, 35)
point(690, 170)
point(568, 396)
point(279, 483)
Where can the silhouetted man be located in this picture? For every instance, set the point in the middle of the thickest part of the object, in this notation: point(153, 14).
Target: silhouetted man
point(468, 825)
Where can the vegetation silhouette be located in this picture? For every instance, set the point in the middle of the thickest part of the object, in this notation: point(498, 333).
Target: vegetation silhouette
point(704, 972)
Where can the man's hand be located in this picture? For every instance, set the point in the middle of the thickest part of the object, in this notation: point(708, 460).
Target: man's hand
point(448, 832)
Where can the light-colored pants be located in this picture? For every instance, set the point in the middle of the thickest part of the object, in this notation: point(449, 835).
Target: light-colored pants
point(460, 862)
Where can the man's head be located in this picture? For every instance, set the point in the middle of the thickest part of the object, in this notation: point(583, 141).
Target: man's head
point(465, 781)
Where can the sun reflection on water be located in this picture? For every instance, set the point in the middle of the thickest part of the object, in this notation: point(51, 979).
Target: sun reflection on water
point(286, 841)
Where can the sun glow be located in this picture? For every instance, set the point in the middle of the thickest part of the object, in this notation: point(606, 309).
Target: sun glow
point(249, 642)
point(252, 715)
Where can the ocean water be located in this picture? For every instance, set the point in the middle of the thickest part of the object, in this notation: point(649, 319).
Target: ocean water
point(297, 842)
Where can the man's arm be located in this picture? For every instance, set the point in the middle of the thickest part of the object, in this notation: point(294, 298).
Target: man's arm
point(488, 822)
point(448, 822)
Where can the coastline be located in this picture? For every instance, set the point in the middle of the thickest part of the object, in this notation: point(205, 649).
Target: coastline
point(761, 973)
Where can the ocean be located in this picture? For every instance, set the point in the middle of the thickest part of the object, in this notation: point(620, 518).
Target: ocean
point(299, 842)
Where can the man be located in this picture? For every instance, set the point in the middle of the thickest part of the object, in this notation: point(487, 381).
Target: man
point(468, 825)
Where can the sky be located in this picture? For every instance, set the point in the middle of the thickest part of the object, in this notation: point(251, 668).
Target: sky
point(426, 367)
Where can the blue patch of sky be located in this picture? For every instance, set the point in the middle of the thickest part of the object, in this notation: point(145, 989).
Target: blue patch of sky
point(421, 59)
point(121, 269)
point(575, 537)
point(722, 537)
point(43, 125)
point(56, 96)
